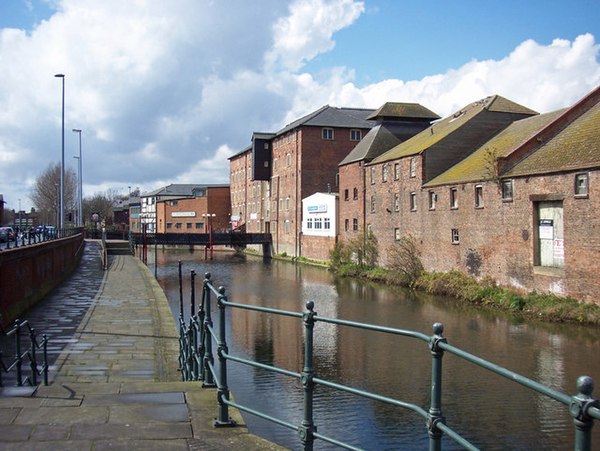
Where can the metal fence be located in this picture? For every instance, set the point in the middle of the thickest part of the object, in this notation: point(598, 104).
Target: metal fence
point(199, 337)
point(37, 236)
point(25, 353)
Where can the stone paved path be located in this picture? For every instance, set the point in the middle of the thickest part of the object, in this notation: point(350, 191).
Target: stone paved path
point(116, 385)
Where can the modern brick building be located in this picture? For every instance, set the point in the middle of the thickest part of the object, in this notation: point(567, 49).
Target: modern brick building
point(179, 208)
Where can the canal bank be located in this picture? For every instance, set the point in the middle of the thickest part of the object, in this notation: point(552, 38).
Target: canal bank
point(116, 384)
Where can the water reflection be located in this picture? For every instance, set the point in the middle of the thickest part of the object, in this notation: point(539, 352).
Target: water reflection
point(489, 410)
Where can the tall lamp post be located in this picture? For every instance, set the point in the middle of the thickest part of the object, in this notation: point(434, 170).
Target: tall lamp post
point(80, 187)
point(209, 217)
point(62, 164)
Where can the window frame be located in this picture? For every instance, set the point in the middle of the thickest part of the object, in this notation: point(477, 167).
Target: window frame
point(432, 196)
point(413, 167)
point(507, 190)
point(327, 134)
point(412, 197)
point(454, 236)
point(453, 198)
point(585, 176)
point(355, 134)
point(372, 203)
point(396, 171)
point(478, 191)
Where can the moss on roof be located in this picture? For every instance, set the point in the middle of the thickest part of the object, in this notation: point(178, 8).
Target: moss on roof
point(480, 164)
point(576, 147)
point(403, 110)
point(439, 130)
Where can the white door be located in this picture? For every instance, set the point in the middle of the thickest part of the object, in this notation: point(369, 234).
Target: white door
point(550, 234)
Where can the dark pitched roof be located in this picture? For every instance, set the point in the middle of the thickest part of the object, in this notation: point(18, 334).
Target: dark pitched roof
point(183, 190)
point(403, 110)
point(328, 116)
point(241, 152)
point(440, 130)
point(378, 140)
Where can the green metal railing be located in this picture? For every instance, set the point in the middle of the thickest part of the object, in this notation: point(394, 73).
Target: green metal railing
point(197, 362)
point(24, 354)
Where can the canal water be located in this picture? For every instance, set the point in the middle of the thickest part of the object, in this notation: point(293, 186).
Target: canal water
point(488, 410)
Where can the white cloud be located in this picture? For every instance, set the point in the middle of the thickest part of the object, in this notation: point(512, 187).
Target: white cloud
point(540, 77)
point(165, 91)
point(308, 30)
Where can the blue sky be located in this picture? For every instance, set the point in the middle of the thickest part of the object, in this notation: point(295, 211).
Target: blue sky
point(413, 39)
point(165, 92)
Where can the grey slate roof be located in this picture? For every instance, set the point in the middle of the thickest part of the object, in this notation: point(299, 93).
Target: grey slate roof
point(184, 190)
point(328, 116)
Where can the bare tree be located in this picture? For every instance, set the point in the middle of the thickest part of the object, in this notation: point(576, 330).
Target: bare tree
point(45, 194)
point(100, 203)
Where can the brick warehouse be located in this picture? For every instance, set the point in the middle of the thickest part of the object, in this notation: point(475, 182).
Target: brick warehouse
point(521, 207)
point(461, 187)
point(270, 178)
point(396, 122)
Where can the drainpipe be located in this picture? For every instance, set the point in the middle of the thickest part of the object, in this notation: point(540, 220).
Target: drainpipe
point(364, 203)
point(297, 250)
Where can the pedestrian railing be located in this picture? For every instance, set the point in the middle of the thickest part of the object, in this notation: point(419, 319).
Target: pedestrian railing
point(26, 347)
point(38, 236)
point(200, 336)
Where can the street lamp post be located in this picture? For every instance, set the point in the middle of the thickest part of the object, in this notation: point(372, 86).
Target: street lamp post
point(209, 217)
point(62, 164)
point(80, 179)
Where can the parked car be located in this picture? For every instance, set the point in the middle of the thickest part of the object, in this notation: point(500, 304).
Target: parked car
point(7, 234)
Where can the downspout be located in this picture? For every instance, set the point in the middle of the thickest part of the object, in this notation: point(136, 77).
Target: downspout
point(297, 250)
point(364, 204)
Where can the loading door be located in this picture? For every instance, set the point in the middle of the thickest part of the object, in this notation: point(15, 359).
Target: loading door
point(550, 234)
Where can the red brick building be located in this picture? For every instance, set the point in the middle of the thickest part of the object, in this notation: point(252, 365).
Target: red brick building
point(396, 122)
point(521, 206)
point(270, 178)
point(187, 208)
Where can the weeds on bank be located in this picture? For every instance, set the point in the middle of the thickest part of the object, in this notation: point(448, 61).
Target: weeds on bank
point(405, 269)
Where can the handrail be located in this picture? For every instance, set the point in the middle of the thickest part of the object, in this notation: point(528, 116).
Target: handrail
point(39, 236)
point(29, 354)
point(197, 363)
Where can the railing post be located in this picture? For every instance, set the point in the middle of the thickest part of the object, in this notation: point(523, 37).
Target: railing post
point(307, 428)
point(200, 323)
point(580, 404)
point(222, 388)
point(33, 362)
point(180, 290)
point(19, 361)
point(435, 409)
point(208, 360)
point(45, 339)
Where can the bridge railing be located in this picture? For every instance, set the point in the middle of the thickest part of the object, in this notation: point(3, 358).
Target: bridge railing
point(216, 238)
point(25, 353)
point(197, 362)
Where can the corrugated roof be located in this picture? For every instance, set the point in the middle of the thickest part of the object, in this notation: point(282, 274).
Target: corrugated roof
point(403, 110)
point(480, 164)
point(576, 147)
point(439, 130)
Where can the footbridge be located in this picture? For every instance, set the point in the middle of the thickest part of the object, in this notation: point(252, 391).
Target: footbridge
point(236, 240)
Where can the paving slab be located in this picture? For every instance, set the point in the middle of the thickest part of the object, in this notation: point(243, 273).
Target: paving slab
point(115, 384)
